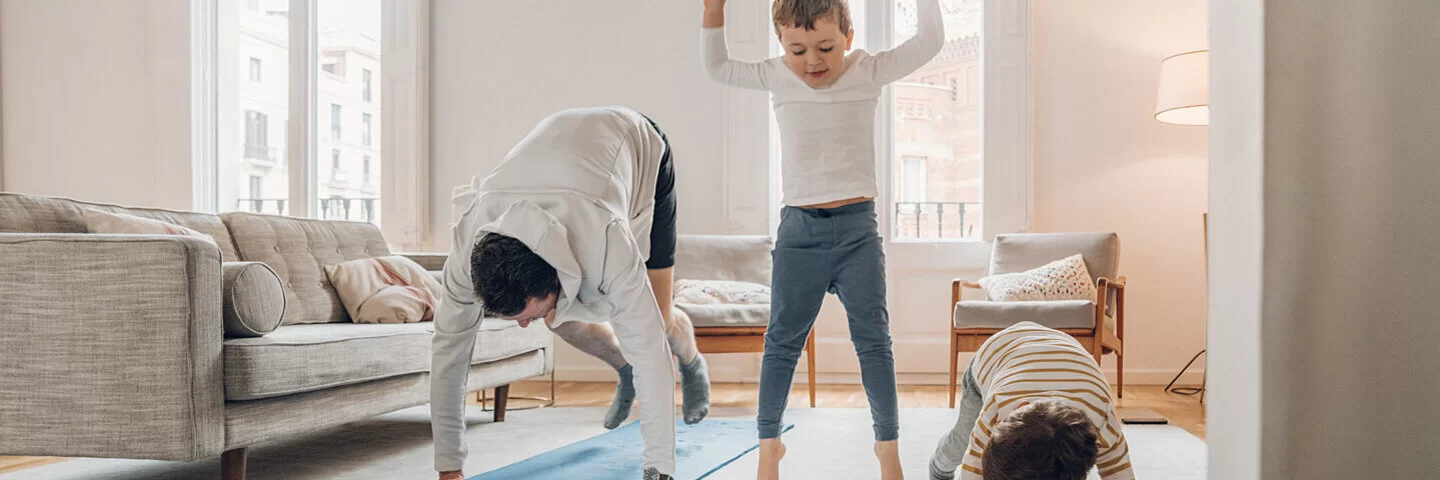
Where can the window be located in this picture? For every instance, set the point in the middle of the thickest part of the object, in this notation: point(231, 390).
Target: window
point(255, 132)
point(254, 69)
point(365, 129)
point(365, 84)
point(936, 192)
point(257, 187)
point(335, 122)
point(365, 178)
point(290, 62)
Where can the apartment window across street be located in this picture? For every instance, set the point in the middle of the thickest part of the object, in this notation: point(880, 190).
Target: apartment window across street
point(254, 69)
point(335, 121)
point(292, 83)
point(365, 129)
point(365, 85)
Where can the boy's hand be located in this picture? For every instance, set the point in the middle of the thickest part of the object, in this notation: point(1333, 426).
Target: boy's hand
point(714, 14)
point(455, 475)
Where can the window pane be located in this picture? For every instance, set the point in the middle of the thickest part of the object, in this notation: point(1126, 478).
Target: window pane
point(251, 166)
point(936, 167)
point(349, 43)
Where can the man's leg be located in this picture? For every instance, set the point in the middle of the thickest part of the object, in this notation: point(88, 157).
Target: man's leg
point(680, 334)
point(598, 340)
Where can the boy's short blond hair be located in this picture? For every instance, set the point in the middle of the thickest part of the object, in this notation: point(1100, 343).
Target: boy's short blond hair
point(1051, 441)
point(804, 13)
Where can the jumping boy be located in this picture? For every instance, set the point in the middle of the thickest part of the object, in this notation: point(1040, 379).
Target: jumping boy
point(829, 239)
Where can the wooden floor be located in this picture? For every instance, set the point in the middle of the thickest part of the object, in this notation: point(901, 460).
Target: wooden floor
point(1183, 411)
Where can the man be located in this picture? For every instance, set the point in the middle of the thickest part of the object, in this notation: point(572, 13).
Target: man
point(577, 227)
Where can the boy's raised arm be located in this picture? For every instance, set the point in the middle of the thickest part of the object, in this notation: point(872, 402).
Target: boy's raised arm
point(894, 64)
point(716, 54)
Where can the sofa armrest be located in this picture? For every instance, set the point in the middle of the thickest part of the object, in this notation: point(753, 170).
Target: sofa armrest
point(110, 346)
point(744, 258)
point(430, 261)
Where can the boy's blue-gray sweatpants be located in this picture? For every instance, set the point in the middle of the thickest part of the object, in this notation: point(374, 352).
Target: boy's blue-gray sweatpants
point(834, 250)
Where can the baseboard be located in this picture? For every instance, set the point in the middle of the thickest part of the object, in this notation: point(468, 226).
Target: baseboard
point(738, 375)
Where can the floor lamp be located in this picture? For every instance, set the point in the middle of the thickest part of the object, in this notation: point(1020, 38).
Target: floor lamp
point(1184, 99)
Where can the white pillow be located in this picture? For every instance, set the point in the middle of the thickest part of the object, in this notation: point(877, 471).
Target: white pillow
point(391, 289)
point(726, 292)
point(1064, 279)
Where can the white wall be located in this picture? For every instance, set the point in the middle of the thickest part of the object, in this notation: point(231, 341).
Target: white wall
point(1103, 163)
point(1347, 337)
point(96, 101)
point(1236, 236)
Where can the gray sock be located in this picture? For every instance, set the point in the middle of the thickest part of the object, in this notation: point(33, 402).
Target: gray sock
point(624, 398)
point(937, 474)
point(695, 387)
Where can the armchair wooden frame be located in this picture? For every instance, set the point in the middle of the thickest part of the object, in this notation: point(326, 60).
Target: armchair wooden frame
point(749, 340)
point(1098, 341)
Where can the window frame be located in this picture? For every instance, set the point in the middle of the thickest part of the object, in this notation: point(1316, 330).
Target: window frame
point(404, 113)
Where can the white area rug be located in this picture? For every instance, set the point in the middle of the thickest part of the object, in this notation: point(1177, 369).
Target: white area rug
point(826, 443)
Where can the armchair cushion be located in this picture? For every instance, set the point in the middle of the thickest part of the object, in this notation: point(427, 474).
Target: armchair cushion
point(1055, 314)
point(727, 315)
point(1064, 279)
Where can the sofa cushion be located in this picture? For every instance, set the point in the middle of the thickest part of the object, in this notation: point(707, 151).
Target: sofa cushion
point(303, 358)
point(391, 289)
point(34, 214)
point(254, 299)
point(119, 223)
point(299, 250)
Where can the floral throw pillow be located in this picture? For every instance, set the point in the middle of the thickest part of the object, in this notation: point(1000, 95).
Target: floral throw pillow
point(1064, 279)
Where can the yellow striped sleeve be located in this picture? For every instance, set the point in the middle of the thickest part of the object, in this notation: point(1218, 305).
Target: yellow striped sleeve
point(1114, 459)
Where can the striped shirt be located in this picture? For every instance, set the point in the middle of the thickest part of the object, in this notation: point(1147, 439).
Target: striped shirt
point(1031, 362)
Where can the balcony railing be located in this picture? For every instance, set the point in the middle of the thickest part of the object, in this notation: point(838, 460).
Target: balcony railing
point(261, 152)
point(943, 220)
point(335, 208)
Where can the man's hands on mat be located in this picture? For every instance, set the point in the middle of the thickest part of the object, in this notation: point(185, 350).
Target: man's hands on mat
point(455, 475)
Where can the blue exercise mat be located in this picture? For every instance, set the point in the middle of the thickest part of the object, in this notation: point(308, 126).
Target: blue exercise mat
point(700, 450)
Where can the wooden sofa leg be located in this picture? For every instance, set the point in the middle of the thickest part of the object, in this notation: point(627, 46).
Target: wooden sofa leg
point(232, 464)
point(502, 395)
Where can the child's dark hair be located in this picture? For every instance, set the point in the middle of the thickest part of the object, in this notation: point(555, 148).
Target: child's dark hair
point(804, 13)
point(1049, 441)
point(507, 274)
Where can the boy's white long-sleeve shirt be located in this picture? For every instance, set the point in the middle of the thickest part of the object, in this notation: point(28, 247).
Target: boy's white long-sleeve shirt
point(579, 190)
point(827, 135)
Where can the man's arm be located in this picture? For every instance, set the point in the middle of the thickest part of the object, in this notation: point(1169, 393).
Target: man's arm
point(457, 320)
point(716, 54)
point(640, 330)
point(894, 64)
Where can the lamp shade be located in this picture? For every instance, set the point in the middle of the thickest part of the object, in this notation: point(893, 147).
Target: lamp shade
point(1184, 95)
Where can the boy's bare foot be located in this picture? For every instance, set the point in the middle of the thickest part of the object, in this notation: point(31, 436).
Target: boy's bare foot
point(771, 451)
point(888, 452)
point(455, 475)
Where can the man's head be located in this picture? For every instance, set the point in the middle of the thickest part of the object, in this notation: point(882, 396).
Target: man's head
point(1043, 440)
point(815, 35)
point(511, 281)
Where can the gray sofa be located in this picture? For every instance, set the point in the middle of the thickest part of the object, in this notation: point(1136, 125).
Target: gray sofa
point(117, 345)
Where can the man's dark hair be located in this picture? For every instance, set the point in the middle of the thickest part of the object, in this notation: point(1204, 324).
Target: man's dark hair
point(507, 274)
point(804, 13)
point(1049, 441)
